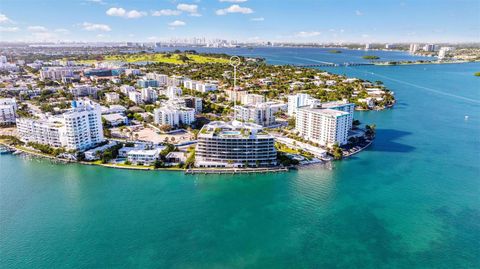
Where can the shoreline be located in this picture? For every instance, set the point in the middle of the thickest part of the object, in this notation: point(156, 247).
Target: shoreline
point(187, 171)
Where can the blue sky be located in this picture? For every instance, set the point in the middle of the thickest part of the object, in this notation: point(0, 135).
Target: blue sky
point(243, 20)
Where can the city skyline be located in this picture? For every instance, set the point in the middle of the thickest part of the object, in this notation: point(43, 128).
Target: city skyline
point(302, 21)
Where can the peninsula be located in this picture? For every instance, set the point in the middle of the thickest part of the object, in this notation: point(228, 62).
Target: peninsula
point(183, 110)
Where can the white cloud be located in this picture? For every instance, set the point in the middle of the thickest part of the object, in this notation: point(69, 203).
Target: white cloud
point(61, 31)
point(307, 34)
point(188, 8)
point(96, 27)
point(120, 12)
point(9, 29)
point(166, 12)
point(177, 23)
point(4, 18)
point(358, 13)
point(233, 1)
point(258, 19)
point(97, 2)
point(234, 9)
point(36, 29)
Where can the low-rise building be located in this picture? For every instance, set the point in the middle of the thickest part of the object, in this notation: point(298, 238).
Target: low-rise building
point(115, 119)
point(112, 97)
point(144, 157)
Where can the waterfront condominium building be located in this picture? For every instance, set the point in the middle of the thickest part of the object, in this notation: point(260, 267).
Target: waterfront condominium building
point(8, 106)
point(341, 106)
point(79, 128)
point(298, 100)
point(234, 144)
point(323, 125)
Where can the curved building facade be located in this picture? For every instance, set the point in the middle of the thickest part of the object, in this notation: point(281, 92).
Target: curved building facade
point(234, 144)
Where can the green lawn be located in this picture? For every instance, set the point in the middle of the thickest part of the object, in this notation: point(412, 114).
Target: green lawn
point(161, 58)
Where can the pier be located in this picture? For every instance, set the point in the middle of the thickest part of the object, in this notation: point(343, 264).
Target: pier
point(220, 171)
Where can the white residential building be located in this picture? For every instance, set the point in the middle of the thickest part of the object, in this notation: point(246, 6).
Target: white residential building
point(112, 97)
point(8, 106)
point(126, 89)
point(174, 92)
point(199, 86)
point(413, 48)
point(135, 97)
point(298, 100)
point(84, 90)
point(55, 73)
point(145, 157)
point(234, 144)
point(77, 129)
point(323, 126)
point(174, 116)
point(252, 99)
point(262, 113)
point(149, 95)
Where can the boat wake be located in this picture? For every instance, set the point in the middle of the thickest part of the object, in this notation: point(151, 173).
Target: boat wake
point(421, 87)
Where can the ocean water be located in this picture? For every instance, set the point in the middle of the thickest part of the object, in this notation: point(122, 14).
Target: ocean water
point(412, 200)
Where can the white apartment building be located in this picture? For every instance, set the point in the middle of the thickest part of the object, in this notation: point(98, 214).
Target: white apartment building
point(8, 106)
point(173, 92)
point(413, 48)
point(149, 95)
point(174, 116)
point(55, 73)
point(126, 89)
point(262, 113)
point(79, 128)
point(341, 106)
point(161, 78)
point(298, 100)
point(199, 86)
point(84, 90)
point(112, 97)
point(135, 97)
point(252, 99)
point(323, 126)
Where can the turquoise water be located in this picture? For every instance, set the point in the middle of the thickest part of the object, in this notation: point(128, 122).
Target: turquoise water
point(412, 200)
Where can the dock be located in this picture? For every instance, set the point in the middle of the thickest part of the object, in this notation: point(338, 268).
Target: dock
point(220, 171)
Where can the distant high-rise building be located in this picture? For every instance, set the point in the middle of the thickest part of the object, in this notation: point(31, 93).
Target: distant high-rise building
point(413, 48)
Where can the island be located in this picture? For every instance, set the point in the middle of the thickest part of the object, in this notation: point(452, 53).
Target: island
point(175, 110)
point(370, 57)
